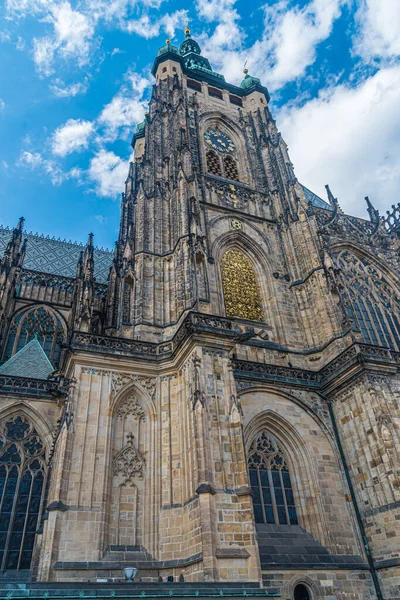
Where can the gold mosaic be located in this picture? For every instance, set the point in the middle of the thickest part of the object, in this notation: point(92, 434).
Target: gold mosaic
point(241, 289)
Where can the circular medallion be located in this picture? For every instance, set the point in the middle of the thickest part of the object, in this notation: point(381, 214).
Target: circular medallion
point(219, 141)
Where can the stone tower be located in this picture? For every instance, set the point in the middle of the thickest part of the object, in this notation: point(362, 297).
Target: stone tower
point(223, 406)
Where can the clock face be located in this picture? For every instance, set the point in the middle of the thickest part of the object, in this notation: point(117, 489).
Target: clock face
point(218, 140)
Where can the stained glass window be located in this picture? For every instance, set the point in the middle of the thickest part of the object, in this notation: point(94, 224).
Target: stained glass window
point(22, 472)
point(44, 325)
point(273, 499)
point(241, 290)
point(371, 302)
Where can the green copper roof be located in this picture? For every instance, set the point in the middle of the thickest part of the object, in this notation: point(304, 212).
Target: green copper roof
point(249, 82)
point(139, 132)
point(168, 48)
point(31, 361)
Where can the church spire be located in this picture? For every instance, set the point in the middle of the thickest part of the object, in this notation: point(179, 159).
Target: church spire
point(10, 268)
point(83, 297)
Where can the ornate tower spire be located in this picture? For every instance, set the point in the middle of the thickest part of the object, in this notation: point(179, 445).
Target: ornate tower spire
point(83, 296)
point(10, 268)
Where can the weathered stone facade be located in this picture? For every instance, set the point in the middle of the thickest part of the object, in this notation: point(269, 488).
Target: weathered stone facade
point(238, 307)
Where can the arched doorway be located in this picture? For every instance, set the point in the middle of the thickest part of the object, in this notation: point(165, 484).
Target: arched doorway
point(301, 592)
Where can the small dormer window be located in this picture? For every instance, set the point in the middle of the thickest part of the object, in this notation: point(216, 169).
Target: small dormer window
point(194, 85)
point(235, 100)
point(215, 93)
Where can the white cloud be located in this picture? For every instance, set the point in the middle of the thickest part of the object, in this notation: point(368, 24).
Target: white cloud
point(43, 55)
point(108, 172)
point(73, 135)
point(379, 29)
point(146, 28)
point(288, 44)
point(72, 37)
point(349, 138)
point(34, 160)
point(61, 90)
point(126, 109)
point(2, 105)
point(20, 45)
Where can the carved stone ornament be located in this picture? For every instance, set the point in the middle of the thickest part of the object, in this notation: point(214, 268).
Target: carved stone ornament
point(119, 380)
point(131, 406)
point(129, 463)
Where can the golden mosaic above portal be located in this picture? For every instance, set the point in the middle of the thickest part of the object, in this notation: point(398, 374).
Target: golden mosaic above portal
point(241, 290)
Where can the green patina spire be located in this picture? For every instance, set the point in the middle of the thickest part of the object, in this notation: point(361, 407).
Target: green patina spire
point(249, 81)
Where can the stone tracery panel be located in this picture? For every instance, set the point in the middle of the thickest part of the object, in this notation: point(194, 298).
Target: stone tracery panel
point(130, 436)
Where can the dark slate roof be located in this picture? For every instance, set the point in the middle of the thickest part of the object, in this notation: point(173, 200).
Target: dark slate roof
point(315, 200)
point(58, 257)
point(30, 361)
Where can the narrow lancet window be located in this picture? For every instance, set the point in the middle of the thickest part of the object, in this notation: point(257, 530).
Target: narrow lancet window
point(22, 472)
point(270, 482)
point(126, 301)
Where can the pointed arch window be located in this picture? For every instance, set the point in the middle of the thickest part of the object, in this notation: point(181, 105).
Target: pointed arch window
point(241, 289)
point(273, 500)
point(230, 168)
point(22, 474)
point(213, 163)
point(37, 322)
point(371, 302)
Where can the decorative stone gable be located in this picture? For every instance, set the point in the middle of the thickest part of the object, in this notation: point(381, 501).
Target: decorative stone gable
point(129, 463)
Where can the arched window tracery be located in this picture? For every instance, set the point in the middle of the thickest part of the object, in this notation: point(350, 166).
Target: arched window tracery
point(230, 168)
point(22, 474)
point(371, 302)
point(37, 322)
point(241, 289)
point(273, 499)
point(213, 163)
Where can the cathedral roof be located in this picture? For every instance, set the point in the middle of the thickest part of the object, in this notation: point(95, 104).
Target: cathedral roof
point(314, 199)
point(31, 361)
point(57, 257)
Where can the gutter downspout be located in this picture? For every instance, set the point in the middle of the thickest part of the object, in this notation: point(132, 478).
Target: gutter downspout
point(370, 559)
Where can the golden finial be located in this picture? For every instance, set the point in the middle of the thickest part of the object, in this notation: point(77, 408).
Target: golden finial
point(245, 71)
point(187, 30)
point(167, 41)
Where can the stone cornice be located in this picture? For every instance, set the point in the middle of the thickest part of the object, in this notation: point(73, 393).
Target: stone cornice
point(350, 363)
point(26, 386)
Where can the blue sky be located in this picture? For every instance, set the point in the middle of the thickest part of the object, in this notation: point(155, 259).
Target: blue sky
point(75, 79)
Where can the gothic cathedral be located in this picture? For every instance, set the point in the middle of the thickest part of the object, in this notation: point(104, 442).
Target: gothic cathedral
point(216, 401)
